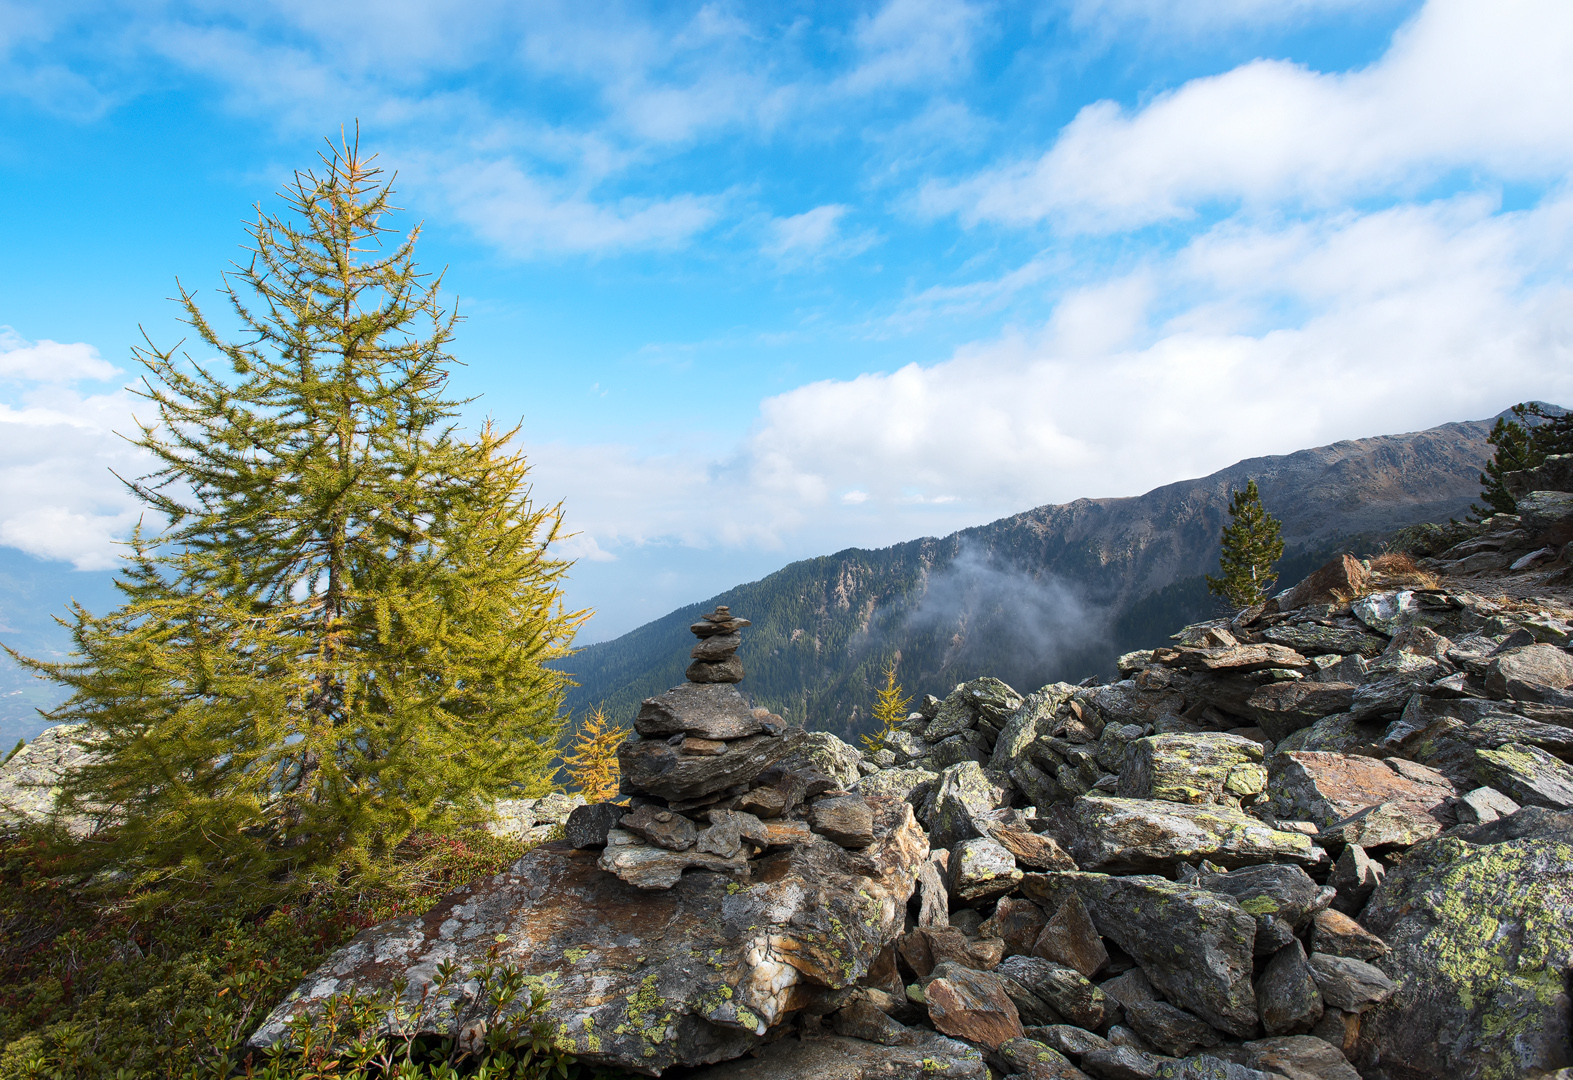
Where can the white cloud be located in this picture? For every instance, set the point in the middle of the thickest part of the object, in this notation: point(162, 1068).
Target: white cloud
point(815, 233)
point(58, 445)
point(913, 42)
point(1189, 15)
point(1464, 86)
point(49, 361)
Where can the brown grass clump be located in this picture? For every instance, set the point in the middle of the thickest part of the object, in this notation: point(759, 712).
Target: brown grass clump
point(1400, 568)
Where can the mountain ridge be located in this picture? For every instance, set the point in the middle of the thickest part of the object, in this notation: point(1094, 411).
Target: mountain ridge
point(1053, 592)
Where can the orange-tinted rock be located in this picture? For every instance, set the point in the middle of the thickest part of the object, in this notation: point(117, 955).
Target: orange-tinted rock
point(1325, 787)
point(1341, 579)
point(972, 1005)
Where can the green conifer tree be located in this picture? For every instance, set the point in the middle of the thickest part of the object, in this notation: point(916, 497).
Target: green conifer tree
point(1521, 443)
point(342, 633)
point(1251, 544)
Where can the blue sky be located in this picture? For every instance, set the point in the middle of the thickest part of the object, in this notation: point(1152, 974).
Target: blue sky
point(766, 281)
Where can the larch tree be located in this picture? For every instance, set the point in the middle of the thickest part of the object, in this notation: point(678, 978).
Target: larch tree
point(1251, 544)
point(890, 709)
point(342, 631)
point(592, 764)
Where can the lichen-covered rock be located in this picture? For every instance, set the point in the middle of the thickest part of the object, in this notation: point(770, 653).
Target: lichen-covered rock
point(963, 801)
point(1528, 672)
point(901, 784)
point(622, 966)
point(1033, 1060)
point(1385, 825)
point(822, 752)
point(1120, 1063)
point(1235, 660)
point(1208, 767)
point(1068, 1039)
point(1063, 989)
point(1286, 994)
point(1193, 944)
point(980, 871)
point(1313, 639)
point(1349, 984)
point(1480, 942)
point(1130, 836)
point(1324, 788)
point(1294, 1057)
point(1169, 1030)
point(1283, 707)
point(1286, 892)
point(1528, 774)
point(30, 781)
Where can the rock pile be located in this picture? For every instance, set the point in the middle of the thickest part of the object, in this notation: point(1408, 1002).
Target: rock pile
point(736, 887)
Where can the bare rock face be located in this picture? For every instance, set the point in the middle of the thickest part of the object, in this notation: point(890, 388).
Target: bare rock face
point(645, 980)
point(28, 782)
point(1125, 836)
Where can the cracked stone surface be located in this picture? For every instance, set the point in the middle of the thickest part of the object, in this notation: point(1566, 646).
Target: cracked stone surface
point(646, 980)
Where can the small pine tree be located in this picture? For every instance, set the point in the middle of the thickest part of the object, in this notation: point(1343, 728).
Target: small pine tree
point(1521, 443)
point(344, 632)
point(1251, 544)
point(890, 708)
point(592, 766)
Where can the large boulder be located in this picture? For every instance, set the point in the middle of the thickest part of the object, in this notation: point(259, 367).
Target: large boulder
point(621, 963)
point(962, 803)
point(1283, 707)
point(1338, 579)
point(1527, 774)
point(822, 752)
point(30, 780)
point(1208, 767)
point(1530, 673)
point(1481, 951)
point(1195, 945)
point(692, 769)
point(1133, 836)
point(1325, 787)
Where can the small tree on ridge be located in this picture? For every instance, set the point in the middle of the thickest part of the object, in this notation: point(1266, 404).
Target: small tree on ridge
point(890, 708)
point(1251, 544)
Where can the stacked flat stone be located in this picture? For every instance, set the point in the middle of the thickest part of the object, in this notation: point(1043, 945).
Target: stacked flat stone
point(712, 782)
point(715, 657)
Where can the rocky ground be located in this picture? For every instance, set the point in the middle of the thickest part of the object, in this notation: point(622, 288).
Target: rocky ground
point(1331, 835)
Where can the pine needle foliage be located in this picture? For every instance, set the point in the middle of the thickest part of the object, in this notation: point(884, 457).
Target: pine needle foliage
point(341, 635)
point(592, 766)
point(890, 709)
point(1251, 544)
point(1523, 442)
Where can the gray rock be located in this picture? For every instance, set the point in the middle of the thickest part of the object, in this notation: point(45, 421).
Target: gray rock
point(968, 746)
point(1385, 612)
point(1350, 669)
point(1313, 639)
point(30, 780)
point(1284, 707)
point(663, 828)
point(933, 896)
point(1142, 835)
point(1527, 774)
point(1272, 934)
point(1294, 1057)
point(1286, 994)
point(1035, 850)
point(1170, 1030)
point(1063, 989)
point(1120, 1063)
point(1033, 1060)
point(1355, 875)
point(1286, 892)
point(709, 711)
point(659, 768)
point(1484, 804)
point(822, 752)
point(861, 1020)
point(1336, 934)
point(1530, 673)
point(844, 819)
point(1194, 945)
point(625, 988)
point(981, 870)
point(837, 1057)
point(729, 670)
point(963, 801)
point(1211, 767)
point(1542, 511)
point(1349, 984)
point(1385, 825)
point(1130, 987)
point(905, 746)
point(904, 784)
point(647, 866)
point(1207, 1067)
point(587, 826)
point(1068, 1039)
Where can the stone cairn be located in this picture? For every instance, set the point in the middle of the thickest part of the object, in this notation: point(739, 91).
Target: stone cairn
point(711, 782)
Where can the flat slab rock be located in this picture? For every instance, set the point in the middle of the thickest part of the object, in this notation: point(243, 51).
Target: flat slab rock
point(707, 710)
point(1326, 787)
point(1135, 836)
point(835, 1057)
point(646, 980)
point(656, 766)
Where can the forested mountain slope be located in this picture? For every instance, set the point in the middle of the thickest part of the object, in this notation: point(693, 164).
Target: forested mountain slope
point(1053, 593)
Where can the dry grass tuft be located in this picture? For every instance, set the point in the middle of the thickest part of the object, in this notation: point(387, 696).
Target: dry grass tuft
point(1400, 568)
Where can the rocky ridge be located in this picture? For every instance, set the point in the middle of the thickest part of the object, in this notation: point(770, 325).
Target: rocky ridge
point(1329, 836)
